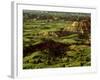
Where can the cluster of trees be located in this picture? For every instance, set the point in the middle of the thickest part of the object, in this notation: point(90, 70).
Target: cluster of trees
point(54, 16)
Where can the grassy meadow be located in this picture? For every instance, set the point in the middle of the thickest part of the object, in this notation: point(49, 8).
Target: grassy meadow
point(50, 40)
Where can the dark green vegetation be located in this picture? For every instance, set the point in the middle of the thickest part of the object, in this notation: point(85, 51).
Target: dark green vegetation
point(50, 41)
